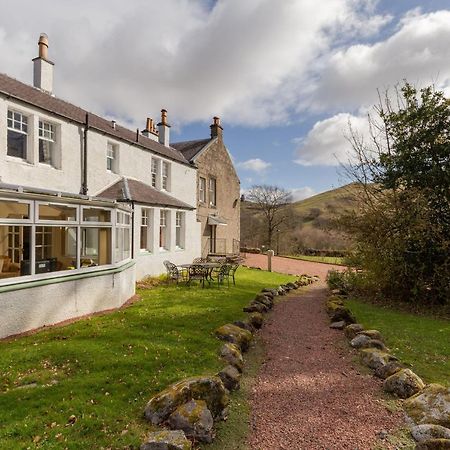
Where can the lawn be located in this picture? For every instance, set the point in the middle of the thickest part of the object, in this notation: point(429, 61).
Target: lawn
point(85, 385)
point(321, 259)
point(421, 342)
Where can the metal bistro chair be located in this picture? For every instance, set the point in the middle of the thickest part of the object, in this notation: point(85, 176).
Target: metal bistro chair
point(234, 268)
point(224, 272)
point(196, 272)
point(173, 272)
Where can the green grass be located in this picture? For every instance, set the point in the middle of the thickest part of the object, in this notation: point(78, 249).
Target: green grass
point(104, 369)
point(421, 342)
point(320, 259)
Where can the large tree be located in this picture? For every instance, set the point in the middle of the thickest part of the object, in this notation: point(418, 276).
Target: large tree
point(402, 230)
point(270, 201)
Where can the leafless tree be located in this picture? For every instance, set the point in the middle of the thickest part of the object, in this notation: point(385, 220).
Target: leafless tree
point(270, 201)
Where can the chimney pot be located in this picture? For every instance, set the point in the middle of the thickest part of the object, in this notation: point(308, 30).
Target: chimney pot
point(113, 124)
point(216, 128)
point(43, 46)
point(164, 129)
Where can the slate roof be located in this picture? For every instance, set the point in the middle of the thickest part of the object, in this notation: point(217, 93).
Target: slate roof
point(128, 189)
point(35, 97)
point(190, 149)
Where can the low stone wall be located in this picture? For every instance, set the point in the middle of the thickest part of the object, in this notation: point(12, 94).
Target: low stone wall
point(427, 406)
point(35, 304)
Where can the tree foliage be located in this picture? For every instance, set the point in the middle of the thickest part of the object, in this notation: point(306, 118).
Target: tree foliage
point(402, 230)
point(270, 201)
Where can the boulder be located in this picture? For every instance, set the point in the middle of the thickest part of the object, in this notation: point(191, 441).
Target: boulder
point(266, 301)
point(209, 389)
point(195, 419)
point(338, 325)
point(337, 312)
point(373, 334)
point(244, 325)
point(232, 355)
point(375, 343)
point(256, 307)
point(359, 341)
point(430, 406)
point(434, 444)
point(166, 440)
point(426, 432)
point(235, 335)
point(292, 285)
point(274, 292)
point(230, 377)
point(352, 330)
point(256, 319)
point(403, 383)
point(375, 358)
point(286, 287)
point(281, 291)
point(389, 369)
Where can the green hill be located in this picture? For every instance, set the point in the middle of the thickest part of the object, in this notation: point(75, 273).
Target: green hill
point(308, 223)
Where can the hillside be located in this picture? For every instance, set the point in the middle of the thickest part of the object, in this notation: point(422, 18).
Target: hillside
point(308, 223)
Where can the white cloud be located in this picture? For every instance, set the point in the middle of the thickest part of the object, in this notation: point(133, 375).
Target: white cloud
point(327, 143)
point(248, 62)
point(255, 165)
point(418, 51)
point(302, 193)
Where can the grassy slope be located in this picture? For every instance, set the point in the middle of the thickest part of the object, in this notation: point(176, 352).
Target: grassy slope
point(321, 259)
point(421, 342)
point(104, 369)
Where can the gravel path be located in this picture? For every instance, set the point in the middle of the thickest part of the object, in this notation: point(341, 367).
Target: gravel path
point(290, 266)
point(308, 394)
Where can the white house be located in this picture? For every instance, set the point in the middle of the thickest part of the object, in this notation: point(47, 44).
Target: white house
point(86, 205)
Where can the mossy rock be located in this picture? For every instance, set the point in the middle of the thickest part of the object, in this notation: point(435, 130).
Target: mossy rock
point(235, 335)
point(256, 319)
point(428, 431)
point(232, 355)
point(375, 358)
point(255, 307)
point(338, 313)
point(352, 330)
point(166, 440)
point(209, 389)
point(244, 325)
point(266, 301)
point(230, 377)
point(373, 334)
point(389, 369)
point(403, 383)
point(430, 406)
point(375, 343)
point(195, 419)
point(434, 444)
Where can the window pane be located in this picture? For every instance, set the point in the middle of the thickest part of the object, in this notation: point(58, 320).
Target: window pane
point(96, 215)
point(95, 247)
point(17, 144)
point(14, 251)
point(10, 209)
point(46, 149)
point(56, 249)
point(57, 212)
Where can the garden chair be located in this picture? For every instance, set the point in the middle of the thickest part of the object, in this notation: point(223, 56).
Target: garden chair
point(173, 272)
point(197, 272)
point(199, 260)
point(234, 268)
point(224, 272)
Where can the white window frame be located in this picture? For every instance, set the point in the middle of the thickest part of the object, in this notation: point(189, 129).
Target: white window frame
point(47, 133)
point(212, 193)
point(163, 225)
point(180, 221)
point(111, 157)
point(202, 189)
point(19, 221)
point(52, 222)
point(165, 176)
point(155, 164)
point(147, 223)
point(10, 122)
point(89, 223)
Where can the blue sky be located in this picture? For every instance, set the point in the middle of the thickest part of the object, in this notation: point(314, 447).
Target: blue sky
point(285, 77)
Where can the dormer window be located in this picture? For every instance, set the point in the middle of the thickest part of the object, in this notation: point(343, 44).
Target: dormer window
point(47, 143)
point(17, 134)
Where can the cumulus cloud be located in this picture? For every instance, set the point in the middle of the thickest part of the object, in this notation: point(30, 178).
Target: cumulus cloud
point(302, 193)
point(417, 51)
point(327, 142)
point(254, 165)
point(249, 62)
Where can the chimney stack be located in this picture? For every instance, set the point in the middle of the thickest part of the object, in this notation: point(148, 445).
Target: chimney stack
point(164, 129)
point(42, 67)
point(150, 130)
point(216, 128)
